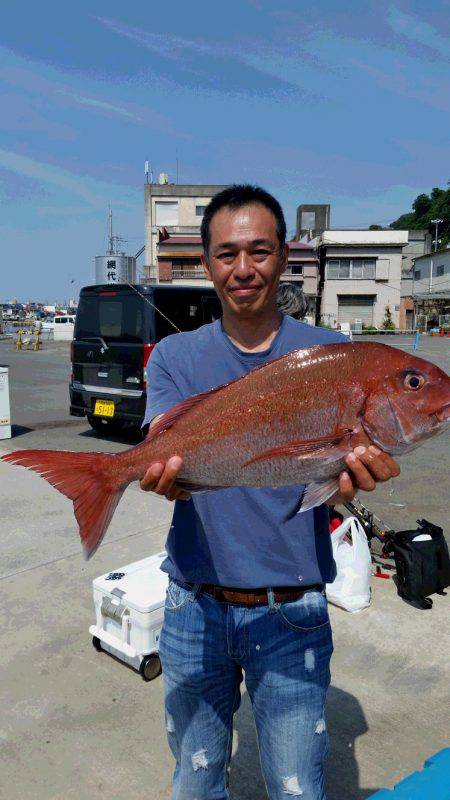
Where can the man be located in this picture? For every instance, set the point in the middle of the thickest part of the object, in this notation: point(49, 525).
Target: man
point(246, 572)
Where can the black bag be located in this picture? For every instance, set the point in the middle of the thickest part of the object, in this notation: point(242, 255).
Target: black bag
point(423, 567)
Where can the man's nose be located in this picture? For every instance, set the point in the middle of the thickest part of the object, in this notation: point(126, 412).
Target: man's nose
point(243, 265)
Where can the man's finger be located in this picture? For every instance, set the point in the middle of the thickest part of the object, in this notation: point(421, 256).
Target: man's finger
point(376, 465)
point(347, 489)
point(151, 477)
point(168, 477)
point(359, 473)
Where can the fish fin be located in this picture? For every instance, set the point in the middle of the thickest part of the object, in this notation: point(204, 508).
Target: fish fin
point(85, 478)
point(318, 493)
point(303, 448)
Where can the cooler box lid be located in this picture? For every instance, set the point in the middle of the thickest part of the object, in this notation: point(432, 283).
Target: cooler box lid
point(141, 585)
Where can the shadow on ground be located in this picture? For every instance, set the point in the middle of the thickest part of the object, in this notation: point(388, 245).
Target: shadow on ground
point(345, 721)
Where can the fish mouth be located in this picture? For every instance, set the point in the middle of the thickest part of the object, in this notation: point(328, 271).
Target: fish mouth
point(443, 415)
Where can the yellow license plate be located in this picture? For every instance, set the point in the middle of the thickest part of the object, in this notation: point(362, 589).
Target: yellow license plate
point(104, 408)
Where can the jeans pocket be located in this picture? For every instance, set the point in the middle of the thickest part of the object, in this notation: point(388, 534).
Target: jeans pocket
point(308, 613)
point(177, 595)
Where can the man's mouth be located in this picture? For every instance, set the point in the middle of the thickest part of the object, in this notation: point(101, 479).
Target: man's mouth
point(244, 291)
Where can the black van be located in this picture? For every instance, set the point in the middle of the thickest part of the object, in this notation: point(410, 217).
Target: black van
point(116, 328)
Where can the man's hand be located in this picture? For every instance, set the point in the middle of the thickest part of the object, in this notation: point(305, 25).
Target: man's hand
point(161, 478)
point(367, 466)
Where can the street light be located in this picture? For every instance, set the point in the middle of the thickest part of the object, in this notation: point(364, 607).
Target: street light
point(436, 222)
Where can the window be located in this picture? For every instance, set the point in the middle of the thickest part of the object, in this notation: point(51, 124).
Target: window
point(417, 274)
point(297, 269)
point(356, 268)
point(308, 220)
point(440, 270)
point(112, 318)
point(199, 211)
point(166, 213)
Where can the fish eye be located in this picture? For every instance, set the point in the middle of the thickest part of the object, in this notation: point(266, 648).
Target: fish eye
point(414, 382)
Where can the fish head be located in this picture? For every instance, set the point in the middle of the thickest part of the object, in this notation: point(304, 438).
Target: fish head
point(407, 402)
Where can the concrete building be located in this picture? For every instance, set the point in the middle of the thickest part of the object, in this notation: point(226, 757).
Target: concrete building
point(313, 219)
point(431, 287)
point(419, 244)
point(303, 269)
point(178, 208)
point(360, 274)
point(178, 260)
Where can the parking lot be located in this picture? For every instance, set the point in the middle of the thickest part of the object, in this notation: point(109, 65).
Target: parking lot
point(79, 724)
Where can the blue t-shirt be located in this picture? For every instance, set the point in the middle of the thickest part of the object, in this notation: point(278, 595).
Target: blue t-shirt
point(238, 537)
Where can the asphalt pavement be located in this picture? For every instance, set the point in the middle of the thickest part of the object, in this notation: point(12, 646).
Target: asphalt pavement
point(79, 724)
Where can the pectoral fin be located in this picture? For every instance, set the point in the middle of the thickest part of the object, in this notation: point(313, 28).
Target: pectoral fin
point(318, 493)
point(322, 446)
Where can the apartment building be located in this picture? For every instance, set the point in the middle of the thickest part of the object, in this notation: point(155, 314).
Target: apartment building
point(178, 208)
point(359, 275)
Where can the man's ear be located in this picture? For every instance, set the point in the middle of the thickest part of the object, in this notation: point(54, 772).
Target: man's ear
point(205, 265)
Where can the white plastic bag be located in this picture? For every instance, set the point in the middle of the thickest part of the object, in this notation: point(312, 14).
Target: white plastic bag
point(351, 588)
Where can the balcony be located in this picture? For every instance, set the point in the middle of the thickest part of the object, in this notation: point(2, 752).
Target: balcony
point(188, 274)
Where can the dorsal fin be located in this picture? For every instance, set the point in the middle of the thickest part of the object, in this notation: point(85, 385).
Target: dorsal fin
point(174, 413)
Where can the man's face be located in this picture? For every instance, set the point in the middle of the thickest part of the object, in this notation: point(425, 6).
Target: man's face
point(244, 259)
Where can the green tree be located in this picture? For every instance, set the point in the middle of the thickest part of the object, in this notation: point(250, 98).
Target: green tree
point(436, 205)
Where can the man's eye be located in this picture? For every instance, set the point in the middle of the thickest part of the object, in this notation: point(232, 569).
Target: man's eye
point(260, 252)
point(225, 255)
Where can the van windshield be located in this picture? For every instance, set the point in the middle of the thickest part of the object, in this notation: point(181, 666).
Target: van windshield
point(112, 318)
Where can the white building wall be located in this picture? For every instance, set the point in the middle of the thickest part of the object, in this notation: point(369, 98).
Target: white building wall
point(429, 280)
point(385, 287)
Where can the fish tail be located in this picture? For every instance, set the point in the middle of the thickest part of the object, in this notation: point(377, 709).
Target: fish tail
point(88, 479)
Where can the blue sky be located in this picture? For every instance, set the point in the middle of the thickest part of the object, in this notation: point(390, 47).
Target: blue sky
point(346, 103)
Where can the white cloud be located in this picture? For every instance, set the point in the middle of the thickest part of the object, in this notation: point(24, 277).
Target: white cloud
point(95, 193)
point(418, 31)
point(100, 104)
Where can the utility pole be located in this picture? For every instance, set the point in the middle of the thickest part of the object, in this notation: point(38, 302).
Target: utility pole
point(111, 240)
point(436, 222)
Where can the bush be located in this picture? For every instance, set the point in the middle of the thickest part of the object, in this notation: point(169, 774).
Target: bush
point(388, 322)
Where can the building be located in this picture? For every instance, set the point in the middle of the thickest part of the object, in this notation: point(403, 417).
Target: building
point(360, 275)
point(431, 287)
point(178, 208)
point(419, 243)
point(303, 269)
point(312, 220)
point(178, 259)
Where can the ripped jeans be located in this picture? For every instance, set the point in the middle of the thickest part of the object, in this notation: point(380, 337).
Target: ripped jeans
point(284, 650)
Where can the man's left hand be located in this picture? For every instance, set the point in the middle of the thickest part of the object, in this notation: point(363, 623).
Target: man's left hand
point(367, 466)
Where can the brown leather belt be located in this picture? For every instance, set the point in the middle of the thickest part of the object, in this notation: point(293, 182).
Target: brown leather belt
point(257, 597)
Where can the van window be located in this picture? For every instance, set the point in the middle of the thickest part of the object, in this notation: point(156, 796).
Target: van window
point(112, 318)
point(187, 310)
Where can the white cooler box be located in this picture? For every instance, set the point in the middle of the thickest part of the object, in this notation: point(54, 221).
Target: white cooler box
point(129, 609)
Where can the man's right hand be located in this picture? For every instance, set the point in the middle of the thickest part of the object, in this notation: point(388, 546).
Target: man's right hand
point(161, 478)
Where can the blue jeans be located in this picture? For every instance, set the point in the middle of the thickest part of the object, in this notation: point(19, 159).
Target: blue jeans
point(284, 649)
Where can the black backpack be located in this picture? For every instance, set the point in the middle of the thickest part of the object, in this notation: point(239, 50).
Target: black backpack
point(423, 567)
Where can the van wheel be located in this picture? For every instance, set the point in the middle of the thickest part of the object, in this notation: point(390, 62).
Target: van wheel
point(104, 425)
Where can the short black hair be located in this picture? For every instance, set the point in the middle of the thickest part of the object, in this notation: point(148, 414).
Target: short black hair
point(237, 196)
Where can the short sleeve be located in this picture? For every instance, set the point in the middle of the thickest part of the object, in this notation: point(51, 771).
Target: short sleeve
point(162, 391)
